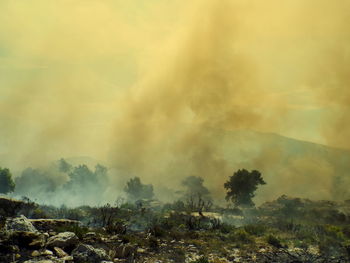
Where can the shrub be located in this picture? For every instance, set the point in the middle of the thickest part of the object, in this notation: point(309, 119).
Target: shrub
point(226, 228)
point(274, 241)
point(255, 229)
point(241, 237)
point(7, 184)
point(335, 232)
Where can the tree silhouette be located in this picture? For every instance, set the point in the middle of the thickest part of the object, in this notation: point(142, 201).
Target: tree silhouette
point(242, 185)
point(136, 190)
point(6, 183)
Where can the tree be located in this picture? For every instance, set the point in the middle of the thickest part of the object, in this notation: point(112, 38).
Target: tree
point(196, 196)
point(7, 185)
point(136, 190)
point(34, 182)
point(64, 166)
point(242, 185)
point(194, 186)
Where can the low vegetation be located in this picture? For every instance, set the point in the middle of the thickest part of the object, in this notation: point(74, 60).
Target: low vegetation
point(193, 229)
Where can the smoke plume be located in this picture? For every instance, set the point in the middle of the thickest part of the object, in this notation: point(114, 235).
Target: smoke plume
point(165, 90)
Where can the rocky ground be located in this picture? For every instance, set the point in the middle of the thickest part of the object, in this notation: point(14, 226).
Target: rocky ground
point(21, 241)
point(63, 240)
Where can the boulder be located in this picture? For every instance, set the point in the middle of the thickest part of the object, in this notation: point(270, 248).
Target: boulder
point(33, 240)
point(20, 231)
point(60, 252)
point(65, 240)
point(19, 224)
point(44, 252)
point(88, 254)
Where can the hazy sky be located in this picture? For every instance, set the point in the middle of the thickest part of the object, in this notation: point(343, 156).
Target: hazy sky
point(71, 70)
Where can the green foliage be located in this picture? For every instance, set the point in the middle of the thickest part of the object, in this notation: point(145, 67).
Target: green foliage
point(242, 185)
point(194, 186)
point(335, 232)
point(31, 209)
point(178, 206)
point(64, 166)
point(240, 236)
point(136, 190)
point(226, 228)
point(255, 229)
point(7, 185)
point(104, 216)
point(34, 181)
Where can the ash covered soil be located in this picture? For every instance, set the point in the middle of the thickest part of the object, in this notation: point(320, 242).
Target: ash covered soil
point(285, 230)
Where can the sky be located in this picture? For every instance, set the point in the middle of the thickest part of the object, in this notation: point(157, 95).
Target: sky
point(109, 78)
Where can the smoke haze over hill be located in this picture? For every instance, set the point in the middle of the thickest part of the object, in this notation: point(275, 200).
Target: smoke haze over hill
point(153, 88)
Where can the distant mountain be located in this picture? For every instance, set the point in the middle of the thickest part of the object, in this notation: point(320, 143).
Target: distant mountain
point(289, 166)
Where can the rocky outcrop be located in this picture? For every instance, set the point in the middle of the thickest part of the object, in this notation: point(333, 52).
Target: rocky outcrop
point(21, 232)
point(65, 240)
point(88, 254)
point(19, 224)
point(60, 252)
point(32, 240)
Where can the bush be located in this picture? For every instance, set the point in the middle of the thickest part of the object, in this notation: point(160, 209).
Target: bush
point(7, 185)
point(256, 229)
point(226, 228)
point(274, 241)
point(335, 232)
point(241, 237)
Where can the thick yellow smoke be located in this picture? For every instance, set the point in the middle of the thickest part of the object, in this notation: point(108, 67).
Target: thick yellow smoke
point(154, 86)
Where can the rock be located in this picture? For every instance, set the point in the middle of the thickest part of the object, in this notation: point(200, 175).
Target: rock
point(88, 254)
point(52, 224)
point(39, 261)
point(33, 240)
point(63, 240)
point(141, 250)
point(90, 235)
point(19, 224)
point(45, 252)
point(67, 258)
point(60, 252)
